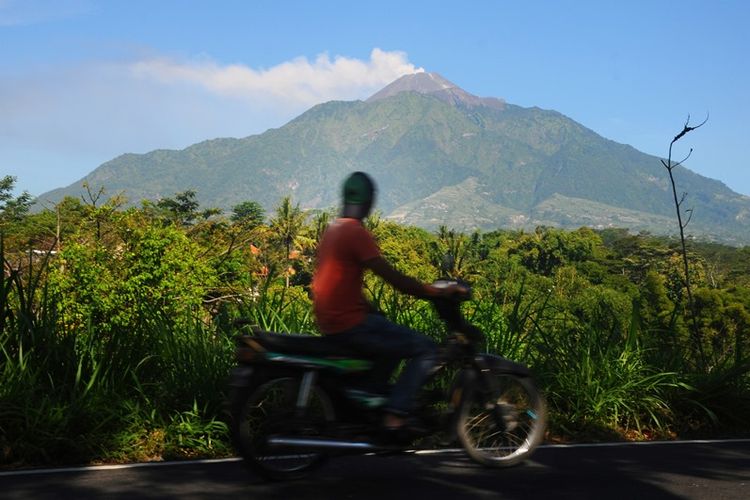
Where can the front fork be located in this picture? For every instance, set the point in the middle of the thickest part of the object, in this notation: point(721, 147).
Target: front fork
point(303, 395)
point(472, 381)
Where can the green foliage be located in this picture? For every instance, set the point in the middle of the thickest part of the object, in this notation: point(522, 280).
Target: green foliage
point(140, 266)
point(248, 213)
point(724, 324)
point(548, 249)
point(286, 229)
point(407, 248)
point(183, 208)
point(117, 347)
point(12, 208)
point(280, 309)
point(189, 435)
point(594, 380)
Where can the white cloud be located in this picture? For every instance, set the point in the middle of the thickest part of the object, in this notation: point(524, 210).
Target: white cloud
point(296, 82)
point(71, 115)
point(160, 102)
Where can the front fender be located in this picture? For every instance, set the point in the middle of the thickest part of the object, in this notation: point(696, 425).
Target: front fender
point(501, 366)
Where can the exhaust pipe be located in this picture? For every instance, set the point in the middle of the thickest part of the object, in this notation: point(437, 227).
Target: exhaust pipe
point(312, 444)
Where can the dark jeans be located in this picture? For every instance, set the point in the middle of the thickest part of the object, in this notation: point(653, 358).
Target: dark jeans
point(387, 343)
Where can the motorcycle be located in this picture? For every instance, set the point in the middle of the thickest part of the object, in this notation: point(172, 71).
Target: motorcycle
point(296, 400)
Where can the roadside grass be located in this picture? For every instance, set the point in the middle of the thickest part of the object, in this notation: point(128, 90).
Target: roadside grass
point(156, 390)
point(598, 384)
point(594, 384)
point(71, 395)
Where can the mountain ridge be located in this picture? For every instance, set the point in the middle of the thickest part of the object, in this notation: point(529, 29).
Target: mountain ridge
point(423, 139)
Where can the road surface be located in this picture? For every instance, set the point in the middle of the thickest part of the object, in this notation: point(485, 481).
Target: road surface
point(692, 470)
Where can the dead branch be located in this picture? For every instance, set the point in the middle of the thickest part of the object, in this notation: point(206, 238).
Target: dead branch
point(697, 337)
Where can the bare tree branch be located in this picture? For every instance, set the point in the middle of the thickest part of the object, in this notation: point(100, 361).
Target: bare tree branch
point(689, 211)
point(696, 334)
point(686, 128)
point(684, 159)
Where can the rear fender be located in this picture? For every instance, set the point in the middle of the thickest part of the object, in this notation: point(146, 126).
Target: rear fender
point(242, 376)
point(248, 375)
point(336, 365)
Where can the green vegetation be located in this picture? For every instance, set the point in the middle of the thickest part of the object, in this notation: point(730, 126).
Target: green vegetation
point(116, 336)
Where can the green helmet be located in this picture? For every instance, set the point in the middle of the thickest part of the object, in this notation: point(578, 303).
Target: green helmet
point(358, 195)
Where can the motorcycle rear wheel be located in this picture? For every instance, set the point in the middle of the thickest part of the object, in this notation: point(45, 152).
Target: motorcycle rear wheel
point(269, 409)
point(502, 426)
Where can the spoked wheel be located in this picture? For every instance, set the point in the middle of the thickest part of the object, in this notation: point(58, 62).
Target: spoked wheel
point(269, 410)
point(501, 427)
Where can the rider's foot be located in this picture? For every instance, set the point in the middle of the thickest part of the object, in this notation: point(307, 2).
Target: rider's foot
point(393, 422)
point(394, 436)
point(395, 429)
point(402, 429)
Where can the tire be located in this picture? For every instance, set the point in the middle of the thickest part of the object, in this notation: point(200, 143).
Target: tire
point(502, 426)
point(269, 408)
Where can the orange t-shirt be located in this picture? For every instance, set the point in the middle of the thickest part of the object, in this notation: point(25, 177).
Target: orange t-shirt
point(337, 284)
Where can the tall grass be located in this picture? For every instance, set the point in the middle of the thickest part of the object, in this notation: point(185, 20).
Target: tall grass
point(597, 382)
point(512, 328)
point(152, 389)
point(278, 309)
point(593, 383)
point(70, 394)
point(51, 382)
point(155, 389)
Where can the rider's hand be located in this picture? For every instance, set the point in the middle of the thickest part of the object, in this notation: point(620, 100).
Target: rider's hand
point(446, 291)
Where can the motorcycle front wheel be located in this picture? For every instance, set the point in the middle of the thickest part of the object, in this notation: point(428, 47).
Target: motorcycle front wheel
point(502, 424)
point(269, 409)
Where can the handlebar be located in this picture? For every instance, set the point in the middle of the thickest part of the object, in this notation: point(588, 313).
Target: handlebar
point(463, 290)
point(449, 308)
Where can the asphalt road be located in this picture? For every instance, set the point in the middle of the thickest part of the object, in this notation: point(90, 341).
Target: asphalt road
point(695, 470)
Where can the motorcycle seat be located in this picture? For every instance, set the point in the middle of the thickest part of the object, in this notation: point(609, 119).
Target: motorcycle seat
point(313, 345)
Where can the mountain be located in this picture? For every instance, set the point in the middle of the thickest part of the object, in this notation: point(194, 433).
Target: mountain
point(439, 155)
point(436, 86)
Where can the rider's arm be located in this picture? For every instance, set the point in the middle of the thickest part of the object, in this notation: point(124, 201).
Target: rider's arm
point(400, 281)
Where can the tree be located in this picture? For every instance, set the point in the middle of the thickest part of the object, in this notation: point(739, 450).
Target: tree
point(286, 227)
point(320, 223)
point(451, 251)
point(142, 268)
point(550, 248)
point(248, 213)
point(47, 228)
point(12, 208)
point(183, 208)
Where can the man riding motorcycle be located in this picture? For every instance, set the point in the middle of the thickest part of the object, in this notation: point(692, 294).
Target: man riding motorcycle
point(345, 251)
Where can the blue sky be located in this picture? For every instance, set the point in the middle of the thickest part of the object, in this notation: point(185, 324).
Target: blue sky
point(83, 81)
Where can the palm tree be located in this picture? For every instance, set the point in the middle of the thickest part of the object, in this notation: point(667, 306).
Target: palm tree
point(320, 223)
point(455, 252)
point(286, 226)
